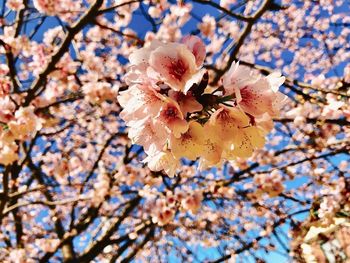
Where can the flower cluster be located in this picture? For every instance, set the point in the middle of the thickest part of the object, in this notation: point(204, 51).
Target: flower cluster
point(173, 113)
point(185, 200)
point(15, 125)
point(271, 184)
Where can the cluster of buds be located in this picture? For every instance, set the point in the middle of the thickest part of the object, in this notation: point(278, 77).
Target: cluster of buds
point(164, 209)
point(173, 113)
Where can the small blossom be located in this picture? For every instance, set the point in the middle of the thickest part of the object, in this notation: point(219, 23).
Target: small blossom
point(99, 92)
point(208, 25)
point(192, 202)
point(15, 5)
point(271, 184)
point(8, 152)
point(171, 116)
point(25, 123)
point(255, 95)
point(154, 12)
point(162, 160)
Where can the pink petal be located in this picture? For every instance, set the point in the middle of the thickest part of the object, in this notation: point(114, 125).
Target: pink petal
point(257, 98)
point(197, 47)
point(187, 102)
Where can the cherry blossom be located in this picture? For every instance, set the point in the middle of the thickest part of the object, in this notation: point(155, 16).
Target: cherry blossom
point(195, 123)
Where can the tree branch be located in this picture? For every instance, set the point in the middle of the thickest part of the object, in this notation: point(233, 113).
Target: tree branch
point(12, 66)
point(244, 34)
point(98, 246)
point(74, 30)
point(4, 194)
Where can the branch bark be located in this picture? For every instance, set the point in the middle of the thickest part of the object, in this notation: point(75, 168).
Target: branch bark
point(5, 190)
point(67, 248)
point(226, 11)
point(98, 246)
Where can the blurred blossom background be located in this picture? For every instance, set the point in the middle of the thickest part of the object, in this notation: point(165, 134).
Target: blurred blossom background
point(74, 184)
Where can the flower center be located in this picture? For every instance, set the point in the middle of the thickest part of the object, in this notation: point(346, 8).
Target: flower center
point(177, 69)
point(171, 112)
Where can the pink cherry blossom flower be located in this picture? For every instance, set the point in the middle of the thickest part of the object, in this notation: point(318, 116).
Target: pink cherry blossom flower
point(165, 216)
point(18, 255)
point(255, 95)
point(148, 132)
point(256, 98)
point(171, 116)
point(154, 12)
point(178, 65)
point(45, 6)
point(271, 184)
point(161, 160)
point(235, 77)
point(140, 101)
point(175, 64)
